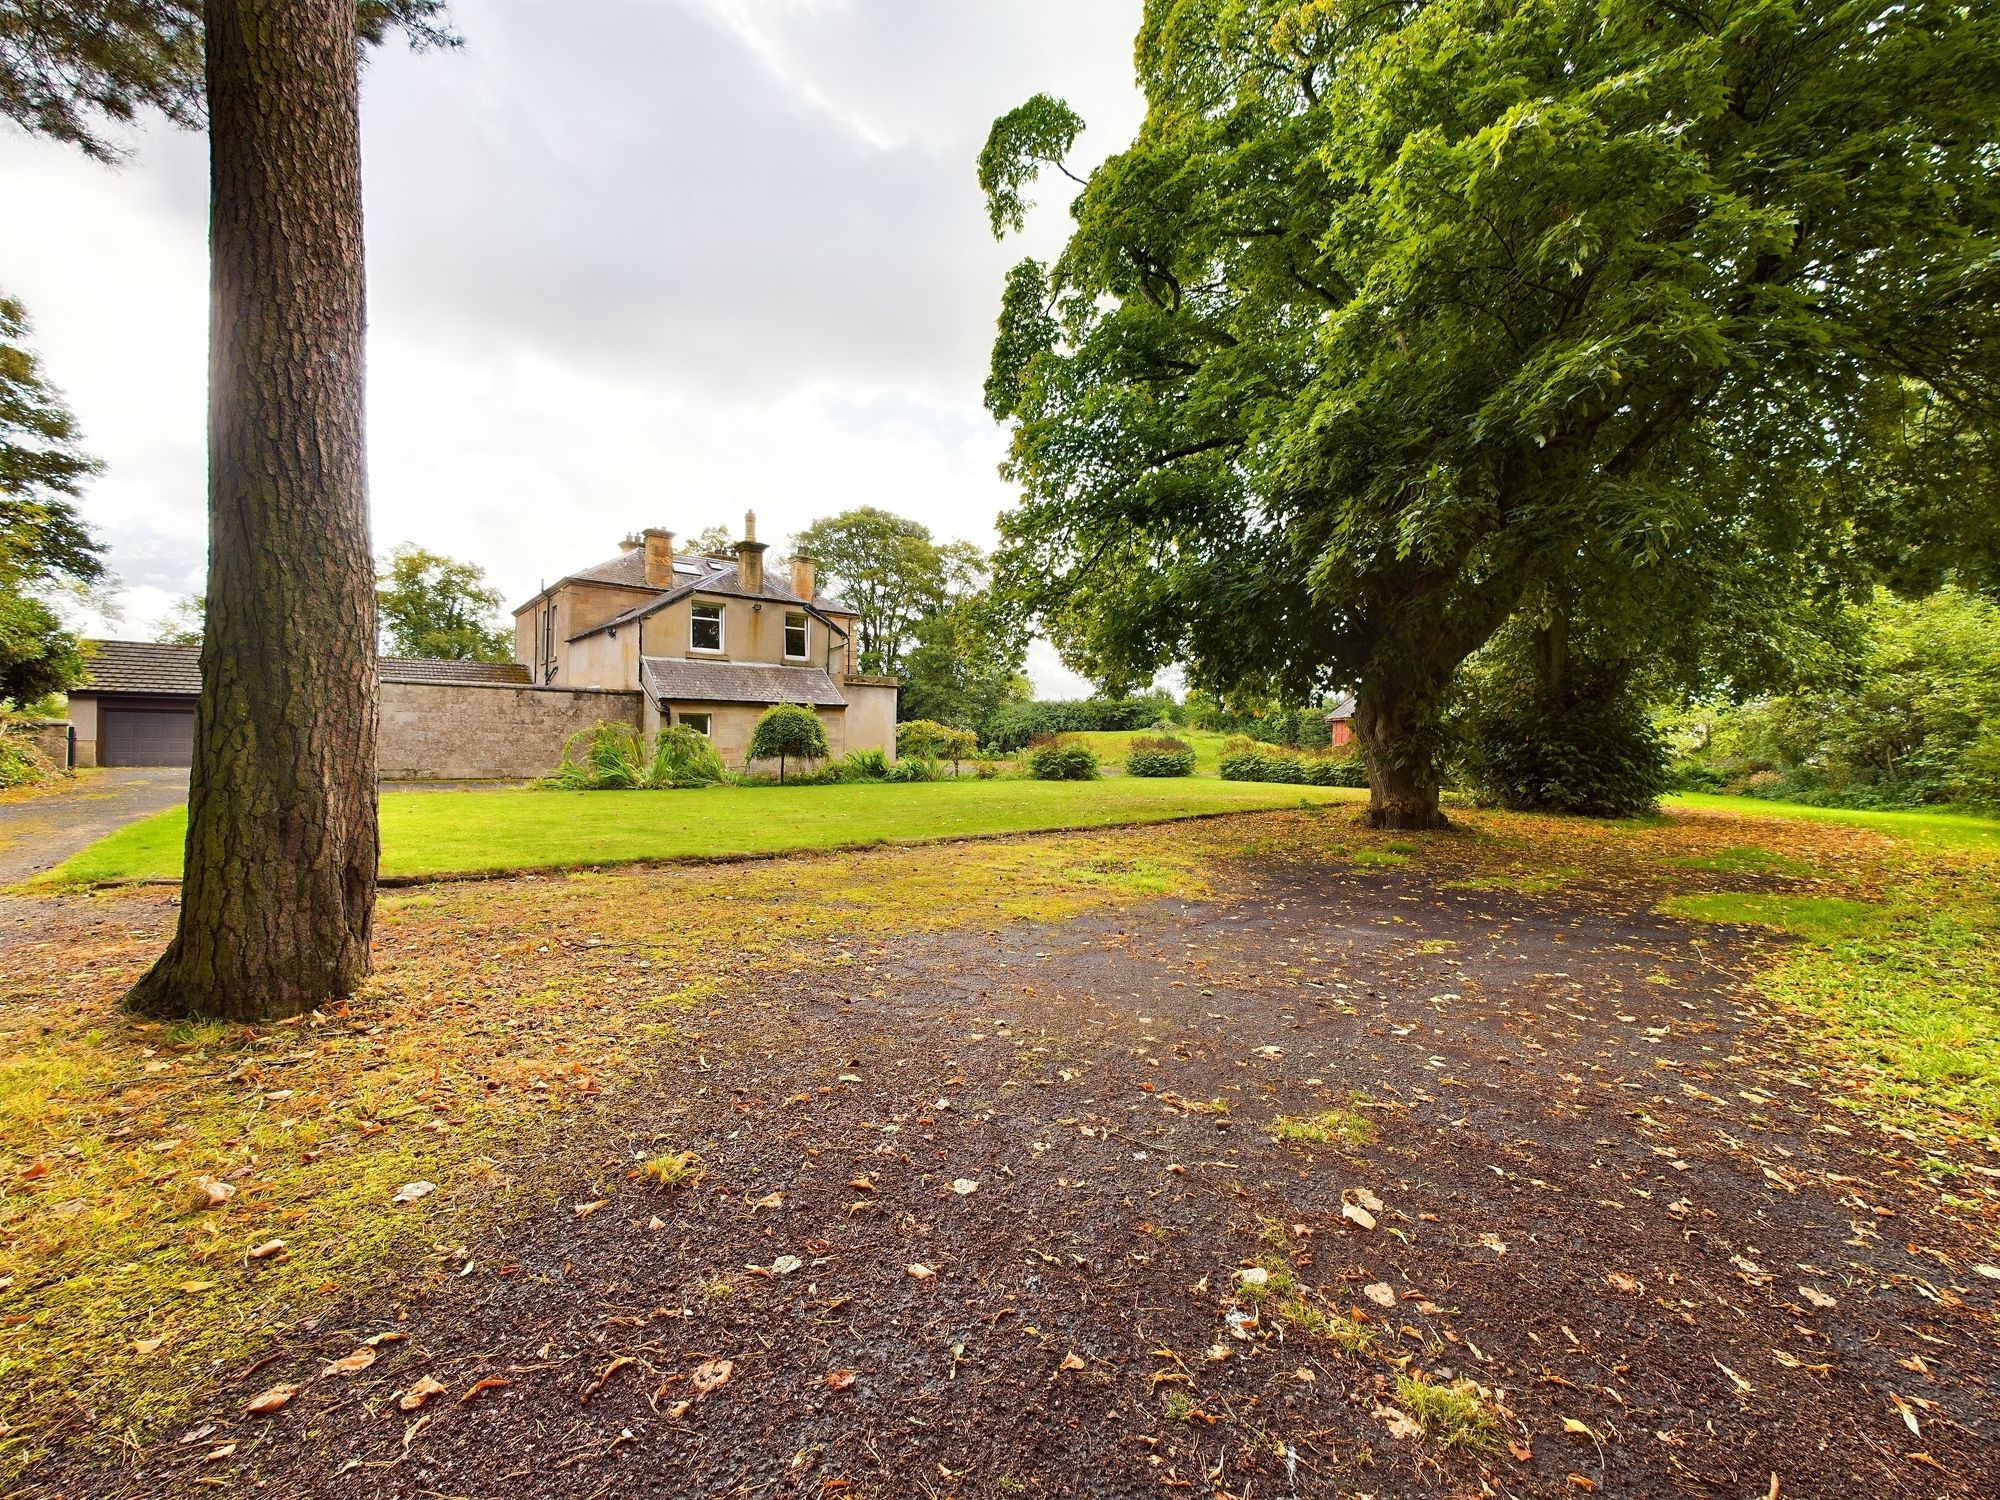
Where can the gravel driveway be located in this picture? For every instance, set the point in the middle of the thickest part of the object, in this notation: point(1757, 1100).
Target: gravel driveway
point(42, 831)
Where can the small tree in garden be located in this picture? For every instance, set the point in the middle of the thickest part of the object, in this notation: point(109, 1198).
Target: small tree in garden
point(789, 731)
point(927, 740)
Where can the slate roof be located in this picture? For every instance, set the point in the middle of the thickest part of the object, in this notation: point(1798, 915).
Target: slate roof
point(1341, 708)
point(674, 679)
point(717, 577)
point(154, 669)
point(142, 667)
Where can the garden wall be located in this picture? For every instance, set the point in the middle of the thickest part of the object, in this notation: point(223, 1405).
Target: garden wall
point(477, 732)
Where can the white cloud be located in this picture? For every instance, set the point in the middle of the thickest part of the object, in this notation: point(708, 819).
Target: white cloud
point(628, 265)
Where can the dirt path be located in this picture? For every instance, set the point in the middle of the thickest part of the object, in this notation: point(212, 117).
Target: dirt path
point(1595, 1183)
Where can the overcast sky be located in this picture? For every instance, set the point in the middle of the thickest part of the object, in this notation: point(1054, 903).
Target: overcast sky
point(631, 262)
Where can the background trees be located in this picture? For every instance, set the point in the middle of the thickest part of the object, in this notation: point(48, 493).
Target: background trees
point(44, 546)
point(1392, 320)
point(432, 605)
point(927, 614)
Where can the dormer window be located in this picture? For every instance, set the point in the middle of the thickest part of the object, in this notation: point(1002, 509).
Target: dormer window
point(796, 648)
point(705, 627)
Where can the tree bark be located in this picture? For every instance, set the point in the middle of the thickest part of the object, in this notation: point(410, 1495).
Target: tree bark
point(278, 894)
point(1402, 773)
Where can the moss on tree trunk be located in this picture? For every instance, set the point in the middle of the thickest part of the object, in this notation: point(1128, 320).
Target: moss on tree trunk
point(278, 895)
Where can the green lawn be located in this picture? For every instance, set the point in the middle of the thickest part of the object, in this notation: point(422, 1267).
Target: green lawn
point(456, 833)
point(1937, 827)
point(1112, 745)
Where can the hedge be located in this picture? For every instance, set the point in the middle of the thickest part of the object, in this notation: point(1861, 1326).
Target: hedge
point(1265, 763)
point(1063, 763)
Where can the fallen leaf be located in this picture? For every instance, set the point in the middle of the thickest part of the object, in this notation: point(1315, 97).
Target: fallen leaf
point(1909, 1416)
point(1743, 1386)
point(861, 1184)
point(618, 1363)
point(34, 1171)
point(711, 1375)
point(920, 1271)
point(1071, 1361)
point(351, 1364)
point(219, 1452)
point(1818, 1298)
point(585, 1210)
point(1579, 1429)
point(1620, 1282)
point(784, 1265)
point(1380, 1293)
point(143, 1347)
point(269, 1401)
point(1494, 1243)
point(656, 1224)
point(1254, 1276)
point(393, 1336)
point(770, 1200)
point(1520, 1449)
point(1355, 1213)
point(1581, 1482)
point(410, 1192)
point(214, 1191)
point(421, 1391)
point(490, 1383)
point(839, 1380)
point(1401, 1424)
point(1366, 1199)
point(964, 1185)
point(1991, 1273)
point(268, 1249)
point(1927, 1461)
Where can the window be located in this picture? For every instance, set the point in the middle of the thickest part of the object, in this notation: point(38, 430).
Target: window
point(705, 628)
point(697, 722)
point(795, 636)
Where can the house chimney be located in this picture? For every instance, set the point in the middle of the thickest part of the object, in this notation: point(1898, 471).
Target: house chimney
point(805, 577)
point(750, 556)
point(631, 543)
point(659, 557)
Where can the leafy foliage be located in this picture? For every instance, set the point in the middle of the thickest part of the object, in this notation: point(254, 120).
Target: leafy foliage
point(70, 71)
point(1244, 759)
point(44, 546)
point(432, 605)
point(1390, 316)
point(21, 764)
point(1017, 723)
point(787, 731)
point(684, 759)
point(1063, 762)
point(1914, 718)
point(924, 738)
point(1159, 756)
point(1590, 747)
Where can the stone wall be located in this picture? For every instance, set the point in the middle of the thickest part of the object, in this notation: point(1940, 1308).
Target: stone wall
point(463, 732)
point(50, 736)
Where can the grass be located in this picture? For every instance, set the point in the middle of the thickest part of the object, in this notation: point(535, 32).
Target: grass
point(1817, 919)
point(1932, 828)
point(1452, 1416)
point(1333, 1127)
point(477, 832)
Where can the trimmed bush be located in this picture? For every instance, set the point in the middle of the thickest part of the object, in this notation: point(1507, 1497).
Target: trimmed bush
point(1061, 762)
point(787, 731)
point(1246, 760)
point(929, 740)
point(1159, 755)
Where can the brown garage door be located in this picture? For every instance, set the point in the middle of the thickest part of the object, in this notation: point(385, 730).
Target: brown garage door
point(155, 735)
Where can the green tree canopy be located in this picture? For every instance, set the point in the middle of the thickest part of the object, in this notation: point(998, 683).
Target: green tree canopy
point(1390, 318)
point(787, 731)
point(894, 573)
point(432, 605)
point(69, 71)
point(45, 548)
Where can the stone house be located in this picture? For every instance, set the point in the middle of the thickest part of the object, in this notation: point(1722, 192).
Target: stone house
point(709, 640)
point(647, 639)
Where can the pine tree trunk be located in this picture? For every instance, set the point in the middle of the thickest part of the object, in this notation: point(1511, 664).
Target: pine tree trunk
point(278, 894)
point(1402, 778)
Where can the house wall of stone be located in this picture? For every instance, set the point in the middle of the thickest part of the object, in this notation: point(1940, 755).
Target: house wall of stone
point(465, 732)
point(732, 724)
point(83, 719)
point(604, 661)
point(871, 713)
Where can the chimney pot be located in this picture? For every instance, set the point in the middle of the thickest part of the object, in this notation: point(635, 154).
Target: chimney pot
point(750, 556)
point(659, 544)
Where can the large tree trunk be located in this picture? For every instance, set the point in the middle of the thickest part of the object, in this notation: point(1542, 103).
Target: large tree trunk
point(279, 890)
point(1389, 720)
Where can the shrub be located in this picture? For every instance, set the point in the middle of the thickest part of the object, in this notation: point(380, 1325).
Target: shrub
point(916, 768)
point(934, 741)
point(602, 759)
point(1246, 760)
point(985, 768)
point(1159, 758)
point(1593, 749)
point(683, 759)
point(1060, 762)
point(787, 731)
point(1015, 725)
point(21, 764)
point(862, 765)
